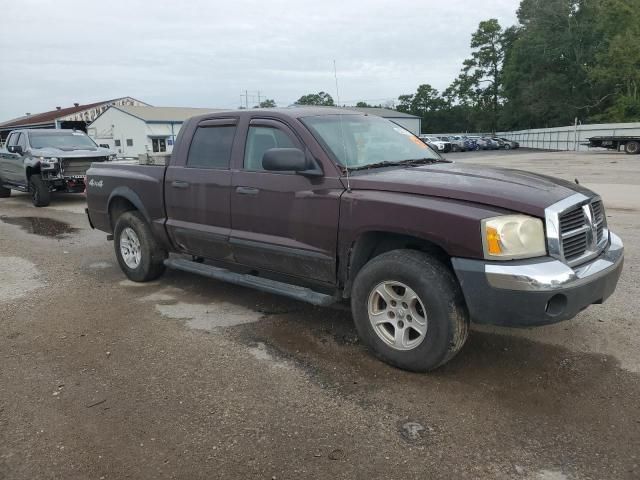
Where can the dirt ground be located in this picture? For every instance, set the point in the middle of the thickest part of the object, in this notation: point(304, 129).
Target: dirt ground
point(189, 378)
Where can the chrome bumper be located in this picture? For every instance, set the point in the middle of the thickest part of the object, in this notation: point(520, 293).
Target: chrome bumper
point(537, 291)
point(551, 274)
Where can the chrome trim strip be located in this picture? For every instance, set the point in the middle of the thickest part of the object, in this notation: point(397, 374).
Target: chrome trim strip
point(552, 221)
point(553, 274)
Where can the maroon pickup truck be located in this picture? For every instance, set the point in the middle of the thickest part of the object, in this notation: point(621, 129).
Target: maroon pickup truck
point(327, 205)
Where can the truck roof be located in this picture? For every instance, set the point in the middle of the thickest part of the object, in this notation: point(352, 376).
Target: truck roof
point(50, 131)
point(291, 112)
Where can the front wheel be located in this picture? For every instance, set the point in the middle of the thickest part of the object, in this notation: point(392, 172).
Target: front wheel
point(632, 148)
point(507, 146)
point(139, 255)
point(40, 194)
point(5, 192)
point(409, 309)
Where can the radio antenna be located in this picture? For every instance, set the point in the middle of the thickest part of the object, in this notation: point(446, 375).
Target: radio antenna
point(344, 143)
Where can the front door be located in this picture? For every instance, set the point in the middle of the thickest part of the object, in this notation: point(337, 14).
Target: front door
point(198, 192)
point(283, 222)
point(13, 163)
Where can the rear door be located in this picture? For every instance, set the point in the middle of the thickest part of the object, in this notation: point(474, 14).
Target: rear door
point(283, 222)
point(198, 191)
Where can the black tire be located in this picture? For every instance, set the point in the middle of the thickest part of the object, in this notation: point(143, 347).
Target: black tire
point(447, 318)
point(5, 192)
point(40, 194)
point(632, 147)
point(151, 263)
point(507, 146)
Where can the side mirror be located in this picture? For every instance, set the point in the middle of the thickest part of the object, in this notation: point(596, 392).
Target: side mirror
point(291, 160)
point(284, 160)
point(15, 149)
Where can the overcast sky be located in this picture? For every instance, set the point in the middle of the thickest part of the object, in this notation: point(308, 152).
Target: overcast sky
point(207, 53)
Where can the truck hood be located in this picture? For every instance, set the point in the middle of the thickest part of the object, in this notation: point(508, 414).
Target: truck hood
point(509, 189)
point(56, 152)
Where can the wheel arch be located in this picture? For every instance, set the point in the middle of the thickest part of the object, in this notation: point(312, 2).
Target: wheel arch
point(123, 199)
point(370, 244)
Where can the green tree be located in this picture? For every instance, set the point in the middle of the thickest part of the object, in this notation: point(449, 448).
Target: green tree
point(320, 98)
point(545, 79)
point(268, 103)
point(617, 70)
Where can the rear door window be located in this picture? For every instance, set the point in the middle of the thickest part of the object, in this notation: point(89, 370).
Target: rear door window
point(211, 147)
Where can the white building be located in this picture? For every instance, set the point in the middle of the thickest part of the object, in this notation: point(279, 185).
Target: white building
point(135, 130)
point(78, 116)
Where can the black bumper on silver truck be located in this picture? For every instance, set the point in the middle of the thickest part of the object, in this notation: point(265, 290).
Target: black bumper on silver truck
point(537, 291)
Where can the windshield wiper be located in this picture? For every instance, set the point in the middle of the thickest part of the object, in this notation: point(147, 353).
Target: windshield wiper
point(409, 162)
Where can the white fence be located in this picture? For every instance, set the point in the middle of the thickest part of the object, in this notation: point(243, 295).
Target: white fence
point(569, 138)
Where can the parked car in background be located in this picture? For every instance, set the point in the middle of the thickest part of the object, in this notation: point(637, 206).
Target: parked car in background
point(437, 144)
point(485, 143)
point(491, 143)
point(499, 141)
point(471, 142)
point(41, 161)
point(459, 144)
point(508, 144)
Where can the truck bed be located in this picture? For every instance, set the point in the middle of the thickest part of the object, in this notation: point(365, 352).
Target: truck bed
point(143, 186)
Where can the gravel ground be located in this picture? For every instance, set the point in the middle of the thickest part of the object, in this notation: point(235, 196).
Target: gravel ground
point(184, 377)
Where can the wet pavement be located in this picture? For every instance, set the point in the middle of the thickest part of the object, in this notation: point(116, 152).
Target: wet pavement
point(46, 227)
point(190, 378)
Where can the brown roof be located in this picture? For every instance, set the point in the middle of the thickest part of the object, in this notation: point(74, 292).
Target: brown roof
point(49, 117)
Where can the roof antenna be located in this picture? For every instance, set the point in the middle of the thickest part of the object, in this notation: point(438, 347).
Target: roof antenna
point(344, 144)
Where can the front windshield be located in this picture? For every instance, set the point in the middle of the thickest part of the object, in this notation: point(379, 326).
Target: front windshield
point(359, 140)
point(61, 141)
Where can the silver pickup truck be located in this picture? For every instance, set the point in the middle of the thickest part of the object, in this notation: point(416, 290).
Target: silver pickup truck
point(41, 161)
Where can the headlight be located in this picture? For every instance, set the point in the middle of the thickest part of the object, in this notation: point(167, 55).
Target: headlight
point(513, 236)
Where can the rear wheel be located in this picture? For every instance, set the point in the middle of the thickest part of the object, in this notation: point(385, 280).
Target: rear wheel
point(40, 194)
point(409, 309)
point(5, 192)
point(632, 148)
point(139, 255)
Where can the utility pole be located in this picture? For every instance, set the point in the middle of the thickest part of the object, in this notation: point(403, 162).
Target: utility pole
point(246, 99)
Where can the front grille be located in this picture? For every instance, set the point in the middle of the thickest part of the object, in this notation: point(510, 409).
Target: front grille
point(572, 220)
point(582, 231)
point(78, 166)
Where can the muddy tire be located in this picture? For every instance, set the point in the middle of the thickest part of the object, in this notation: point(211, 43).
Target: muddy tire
point(632, 148)
point(409, 310)
point(139, 255)
point(40, 194)
point(5, 192)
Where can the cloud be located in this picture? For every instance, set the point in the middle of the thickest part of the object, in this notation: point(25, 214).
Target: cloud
point(206, 53)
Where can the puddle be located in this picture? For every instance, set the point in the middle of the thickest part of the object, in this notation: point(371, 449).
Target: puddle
point(45, 227)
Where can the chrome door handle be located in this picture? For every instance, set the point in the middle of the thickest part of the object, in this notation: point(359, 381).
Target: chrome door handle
point(247, 191)
point(179, 184)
